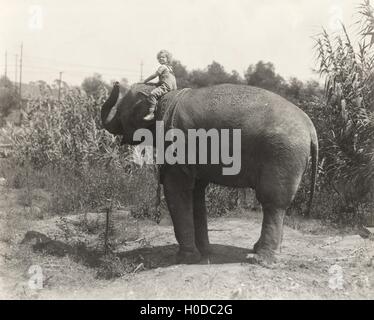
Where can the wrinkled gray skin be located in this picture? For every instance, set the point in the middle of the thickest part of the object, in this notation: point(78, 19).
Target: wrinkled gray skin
point(277, 140)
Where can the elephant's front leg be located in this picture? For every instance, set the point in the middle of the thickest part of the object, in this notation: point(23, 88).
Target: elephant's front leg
point(178, 189)
point(200, 218)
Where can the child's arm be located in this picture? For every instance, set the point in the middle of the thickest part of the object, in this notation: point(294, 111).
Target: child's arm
point(151, 77)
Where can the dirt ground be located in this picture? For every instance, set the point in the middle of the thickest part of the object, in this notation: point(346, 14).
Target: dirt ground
point(316, 262)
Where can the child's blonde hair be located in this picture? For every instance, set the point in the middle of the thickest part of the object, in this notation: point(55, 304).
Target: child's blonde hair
point(167, 53)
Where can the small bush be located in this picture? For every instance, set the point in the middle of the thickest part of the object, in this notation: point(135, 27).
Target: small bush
point(61, 147)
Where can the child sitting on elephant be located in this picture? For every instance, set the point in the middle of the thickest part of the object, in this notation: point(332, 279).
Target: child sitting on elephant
point(166, 82)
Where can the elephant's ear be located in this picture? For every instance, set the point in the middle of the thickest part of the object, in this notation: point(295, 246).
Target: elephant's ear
point(142, 95)
point(140, 106)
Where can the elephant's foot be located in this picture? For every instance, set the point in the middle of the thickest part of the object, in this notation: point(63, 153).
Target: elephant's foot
point(263, 258)
point(257, 245)
point(205, 250)
point(262, 255)
point(188, 257)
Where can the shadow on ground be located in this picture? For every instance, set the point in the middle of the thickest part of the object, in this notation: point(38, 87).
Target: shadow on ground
point(148, 257)
point(164, 256)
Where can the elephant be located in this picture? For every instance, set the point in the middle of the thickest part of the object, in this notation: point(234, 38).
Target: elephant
point(277, 141)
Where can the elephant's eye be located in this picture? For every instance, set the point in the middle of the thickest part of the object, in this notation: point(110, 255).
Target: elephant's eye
point(138, 102)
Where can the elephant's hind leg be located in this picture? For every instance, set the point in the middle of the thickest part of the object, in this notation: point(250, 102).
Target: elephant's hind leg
point(200, 218)
point(275, 192)
point(271, 233)
point(178, 189)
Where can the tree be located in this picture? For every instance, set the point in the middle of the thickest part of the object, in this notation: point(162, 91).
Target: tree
point(5, 82)
point(94, 85)
point(9, 98)
point(181, 74)
point(217, 74)
point(214, 74)
point(44, 88)
point(235, 77)
point(293, 89)
point(64, 84)
point(199, 78)
point(263, 75)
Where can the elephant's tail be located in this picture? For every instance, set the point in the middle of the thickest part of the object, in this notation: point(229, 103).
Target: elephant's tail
point(314, 155)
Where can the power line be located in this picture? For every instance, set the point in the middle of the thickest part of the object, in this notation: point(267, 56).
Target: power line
point(81, 65)
point(35, 69)
point(73, 70)
point(82, 71)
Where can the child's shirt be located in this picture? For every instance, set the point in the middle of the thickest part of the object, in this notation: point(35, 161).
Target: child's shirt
point(166, 76)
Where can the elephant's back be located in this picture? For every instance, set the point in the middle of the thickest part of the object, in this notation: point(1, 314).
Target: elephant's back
point(270, 125)
point(240, 106)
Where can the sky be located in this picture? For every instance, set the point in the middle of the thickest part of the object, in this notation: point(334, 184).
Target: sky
point(113, 37)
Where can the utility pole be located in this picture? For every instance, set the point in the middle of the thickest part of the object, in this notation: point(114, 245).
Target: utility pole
point(20, 74)
point(59, 86)
point(6, 64)
point(141, 71)
point(15, 74)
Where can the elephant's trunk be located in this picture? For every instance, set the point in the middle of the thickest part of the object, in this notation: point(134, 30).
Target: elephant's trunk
point(109, 115)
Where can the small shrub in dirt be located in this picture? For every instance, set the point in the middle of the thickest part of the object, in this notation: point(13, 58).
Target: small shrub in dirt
point(113, 267)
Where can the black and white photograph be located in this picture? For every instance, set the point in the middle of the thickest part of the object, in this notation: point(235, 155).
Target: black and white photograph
point(205, 150)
